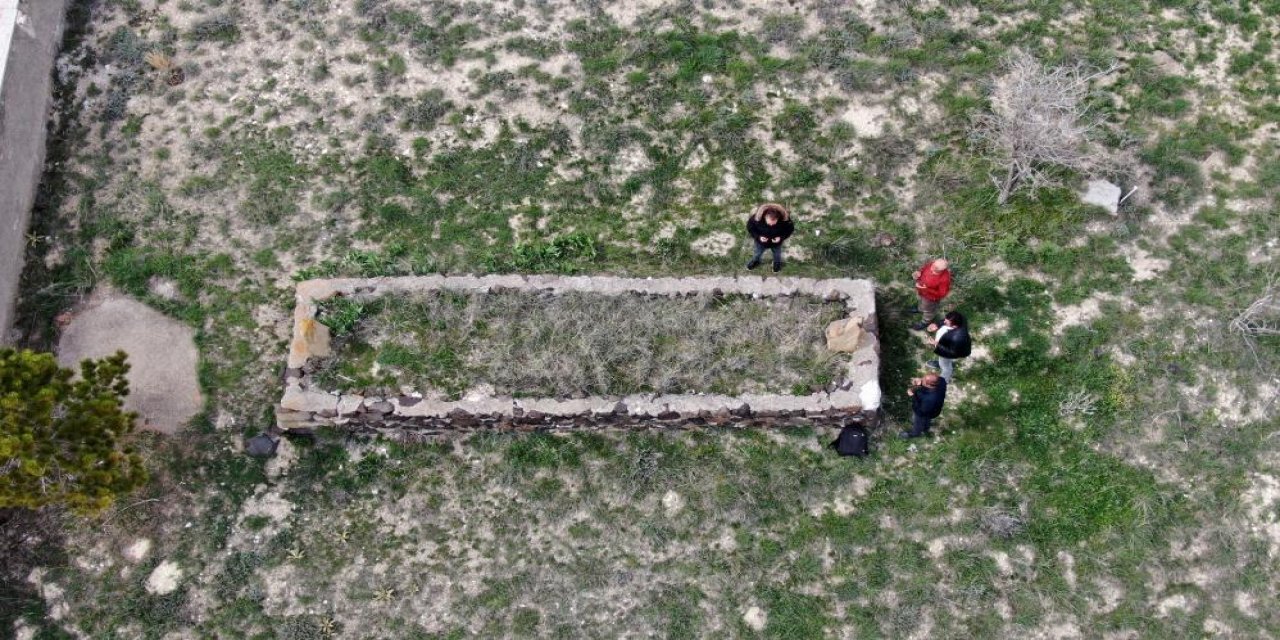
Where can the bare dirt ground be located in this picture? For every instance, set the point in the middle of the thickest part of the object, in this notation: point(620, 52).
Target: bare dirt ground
point(1106, 469)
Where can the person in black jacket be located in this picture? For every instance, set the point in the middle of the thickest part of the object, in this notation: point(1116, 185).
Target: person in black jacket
point(927, 395)
point(769, 226)
point(951, 342)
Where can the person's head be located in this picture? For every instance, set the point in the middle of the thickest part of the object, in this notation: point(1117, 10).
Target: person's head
point(940, 265)
point(930, 380)
point(955, 319)
point(772, 213)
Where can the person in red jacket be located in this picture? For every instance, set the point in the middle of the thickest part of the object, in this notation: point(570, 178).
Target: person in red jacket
point(933, 283)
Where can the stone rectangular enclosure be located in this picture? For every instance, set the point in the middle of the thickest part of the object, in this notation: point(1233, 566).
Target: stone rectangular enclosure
point(854, 398)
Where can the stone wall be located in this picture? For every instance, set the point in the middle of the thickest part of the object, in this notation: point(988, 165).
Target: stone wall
point(856, 397)
point(30, 36)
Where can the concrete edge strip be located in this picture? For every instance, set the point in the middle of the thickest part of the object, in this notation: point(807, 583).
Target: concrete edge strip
point(8, 22)
point(857, 295)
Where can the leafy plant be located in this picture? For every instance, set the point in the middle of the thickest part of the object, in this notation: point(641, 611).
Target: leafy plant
point(341, 314)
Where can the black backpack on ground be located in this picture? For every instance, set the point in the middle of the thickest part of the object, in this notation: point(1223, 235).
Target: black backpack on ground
point(852, 441)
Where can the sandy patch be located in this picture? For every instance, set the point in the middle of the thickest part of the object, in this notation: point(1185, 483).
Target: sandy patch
point(1003, 565)
point(1177, 602)
point(844, 504)
point(718, 244)
point(138, 550)
point(868, 120)
point(1110, 594)
point(1261, 501)
point(1081, 314)
point(286, 456)
point(756, 618)
point(53, 595)
point(1245, 602)
point(164, 579)
point(672, 504)
point(1145, 267)
point(1058, 628)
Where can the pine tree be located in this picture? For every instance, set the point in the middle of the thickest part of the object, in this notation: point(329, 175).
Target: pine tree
point(61, 440)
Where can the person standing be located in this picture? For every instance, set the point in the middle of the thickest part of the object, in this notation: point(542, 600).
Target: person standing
point(950, 343)
point(933, 283)
point(769, 226)
point(927, 395)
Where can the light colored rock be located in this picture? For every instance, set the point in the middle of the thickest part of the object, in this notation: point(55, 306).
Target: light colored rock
point(138, 550)
point(756, 618)
point(163, 387)
point(349, 404)
point(164, 579)
point(297, 399)
point(869, 395)
point(1103, 194)
point(310, 339)
point(845, 335)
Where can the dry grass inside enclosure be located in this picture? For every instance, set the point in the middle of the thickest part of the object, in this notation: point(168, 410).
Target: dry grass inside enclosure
point(573, 344)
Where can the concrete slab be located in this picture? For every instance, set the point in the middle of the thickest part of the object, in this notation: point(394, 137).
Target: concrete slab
point(163, 387)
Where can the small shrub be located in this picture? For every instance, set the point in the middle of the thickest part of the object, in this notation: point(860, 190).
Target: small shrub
point(220, 28)
point(340, 314)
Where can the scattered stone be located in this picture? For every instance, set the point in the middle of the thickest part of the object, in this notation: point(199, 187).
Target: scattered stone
point(297, 399)
point(261, 446)
point(349, 404)
point(1103, 194)
point(845, 335)
point(756, 618)
point(164, 579)
point(138, 550)
point(883, 239)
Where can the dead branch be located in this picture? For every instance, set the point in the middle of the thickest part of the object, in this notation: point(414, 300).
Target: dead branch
point(1039, 118)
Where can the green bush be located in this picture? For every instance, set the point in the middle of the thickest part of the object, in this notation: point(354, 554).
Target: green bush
point(65, 438)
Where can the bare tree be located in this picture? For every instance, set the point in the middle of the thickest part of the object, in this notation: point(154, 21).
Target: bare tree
point(1039, 119)
point(1262, 317)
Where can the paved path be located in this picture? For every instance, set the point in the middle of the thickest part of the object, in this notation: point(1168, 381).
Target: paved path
point(163, 388)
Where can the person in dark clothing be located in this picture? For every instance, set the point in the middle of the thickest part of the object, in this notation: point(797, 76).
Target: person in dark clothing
point(769, 226)
point(950, 343)
point(927, 395)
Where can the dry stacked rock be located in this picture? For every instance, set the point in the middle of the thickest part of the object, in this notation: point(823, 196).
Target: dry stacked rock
point(855, 397)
